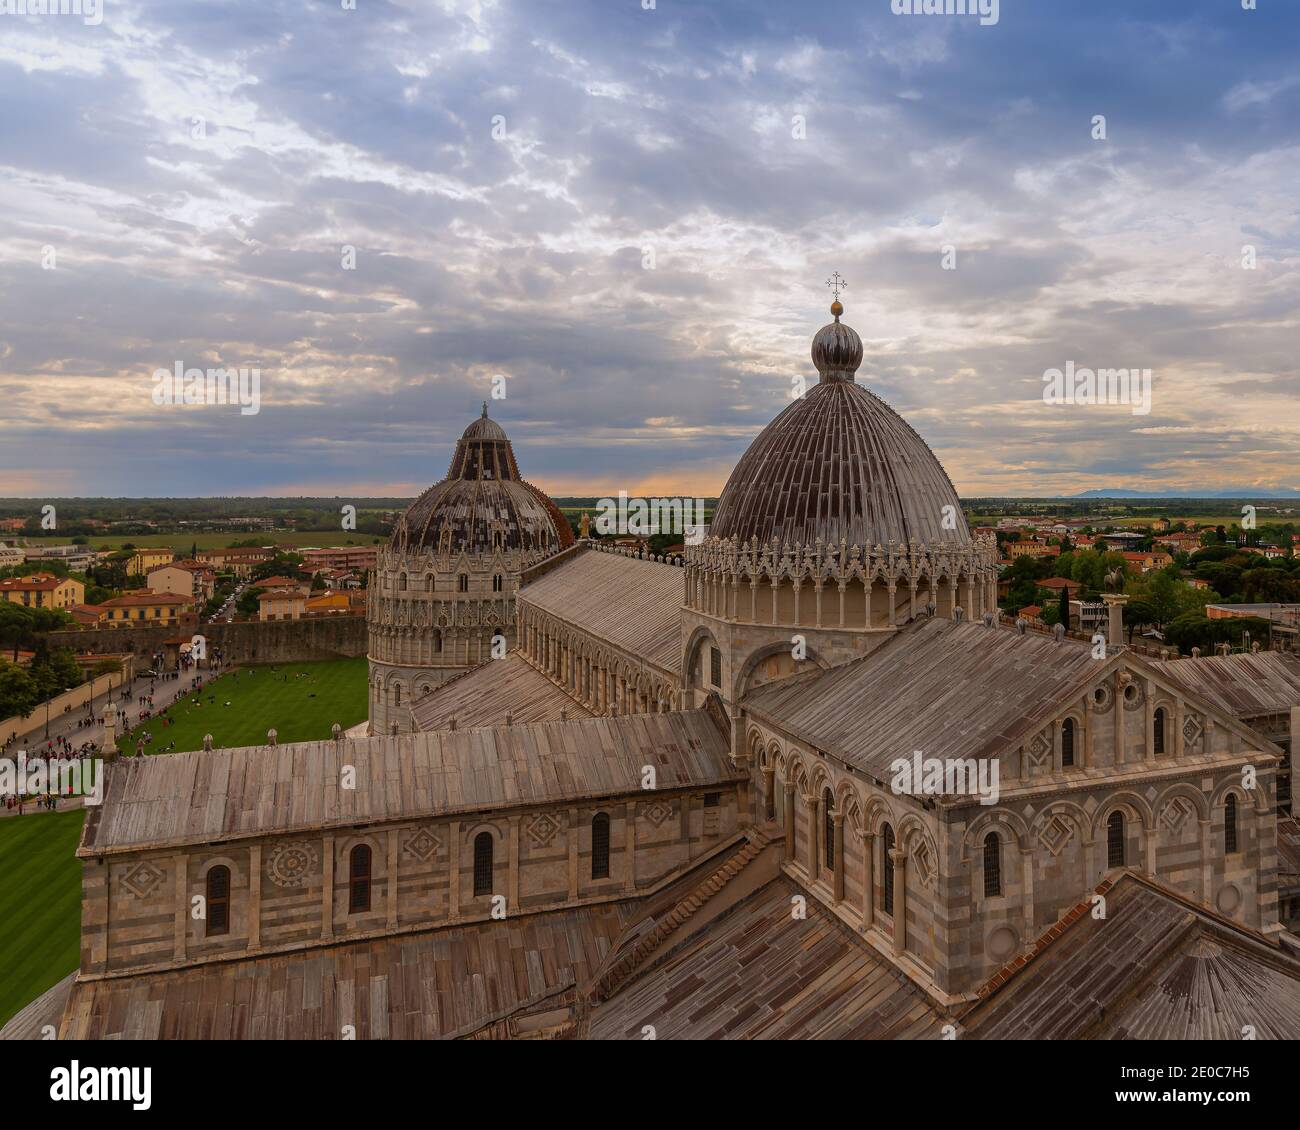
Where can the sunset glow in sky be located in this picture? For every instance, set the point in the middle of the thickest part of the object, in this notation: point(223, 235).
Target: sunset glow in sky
point(199, 167)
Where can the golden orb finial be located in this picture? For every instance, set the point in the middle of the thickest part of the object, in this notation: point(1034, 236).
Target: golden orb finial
point(837, 308)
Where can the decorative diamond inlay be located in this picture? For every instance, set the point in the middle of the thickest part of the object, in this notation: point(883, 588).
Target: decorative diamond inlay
point(1055, 835)
point(924, 863)
point(143, 879)
point(1176, 813)
point(542, 829)
point(657, 812)
point(1192, 730)
point(423, 845)
point(1039, 749)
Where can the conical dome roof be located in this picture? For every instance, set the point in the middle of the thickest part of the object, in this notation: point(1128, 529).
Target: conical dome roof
point(839, 465)
point(483, 504)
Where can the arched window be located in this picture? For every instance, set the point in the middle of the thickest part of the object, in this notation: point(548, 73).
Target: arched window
point(498, 582)
point(483, 864)
point(428, 582)
point(218, 900)
point(770, 800)
point(359, 880)
point(1230, 823)
point(828, 829)
point(1159, 730)
point(462, 582)
point(992, 865)
point(401, 582)
point(437, 642)
point(600, 846)
point(887, 864)
point(1115, 839)
point(397, 694)
point(1067, 743)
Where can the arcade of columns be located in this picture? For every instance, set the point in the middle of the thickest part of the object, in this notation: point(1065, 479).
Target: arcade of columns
point(598, 675)
point(720, 570)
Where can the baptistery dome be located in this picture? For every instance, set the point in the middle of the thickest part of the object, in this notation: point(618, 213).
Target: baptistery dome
point(841, 466)
point(483, 503)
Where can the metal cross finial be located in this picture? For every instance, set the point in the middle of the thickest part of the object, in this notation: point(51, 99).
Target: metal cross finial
point(836, 284)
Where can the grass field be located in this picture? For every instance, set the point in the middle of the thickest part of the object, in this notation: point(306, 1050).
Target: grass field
point(303, 709)
point(40, 904)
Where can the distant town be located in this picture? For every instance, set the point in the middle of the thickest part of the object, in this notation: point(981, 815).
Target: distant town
point(1201, 575)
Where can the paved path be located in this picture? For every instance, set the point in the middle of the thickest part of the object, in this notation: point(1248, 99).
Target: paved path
point(65, 725)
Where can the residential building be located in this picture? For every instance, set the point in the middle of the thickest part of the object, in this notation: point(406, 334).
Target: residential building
point(146, 558)
point(187, 578)
point(281, 604)
point(43, 590)
point(363, 557)
point(145, 609)
point(239, 560)
point(1147, 562)
point(75, 557)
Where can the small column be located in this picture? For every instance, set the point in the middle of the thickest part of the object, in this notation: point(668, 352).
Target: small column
point(512, 868)
point(868, 878)
point(327, 887)
point(573, 853)
point(453, 870)
point(898, 858)
point(810, 805)
point(390, 869)
point(1027, 879)
point(837, 875)
point(629, 847)
point(181, 862)
point(789, 822)
point(1115, 602)
point(1206, 862)
point(254, 896)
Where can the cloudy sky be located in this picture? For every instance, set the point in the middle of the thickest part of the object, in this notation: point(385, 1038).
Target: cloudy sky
point(629, 215)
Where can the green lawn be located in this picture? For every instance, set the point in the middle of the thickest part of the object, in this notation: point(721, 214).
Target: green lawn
point(40, 904)
point(300, 710)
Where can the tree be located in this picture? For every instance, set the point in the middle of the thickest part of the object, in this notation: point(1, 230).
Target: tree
point(1063, 607)
point(247, 604)
point(18, 693)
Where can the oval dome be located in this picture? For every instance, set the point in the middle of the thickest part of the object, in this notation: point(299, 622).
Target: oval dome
point(839, 465)
point(483, 503)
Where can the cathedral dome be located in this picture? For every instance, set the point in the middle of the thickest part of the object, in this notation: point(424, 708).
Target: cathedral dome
point(839, 465)
point(483, 504)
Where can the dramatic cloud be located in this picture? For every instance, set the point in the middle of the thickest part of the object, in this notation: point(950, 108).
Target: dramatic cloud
point(629, 215)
